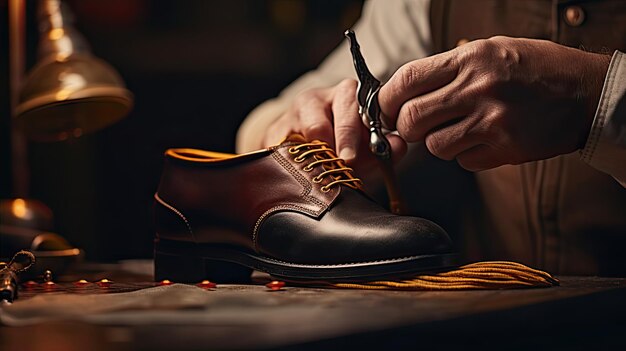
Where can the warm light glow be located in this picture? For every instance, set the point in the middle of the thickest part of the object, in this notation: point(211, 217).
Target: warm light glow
point(70, 82)
point(56, 33)
point(54, 8)
point(63, 94)
point(20, 210)
point(61, 57)
point(64, 47)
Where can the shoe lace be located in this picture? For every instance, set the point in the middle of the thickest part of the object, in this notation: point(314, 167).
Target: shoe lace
point(334, 167)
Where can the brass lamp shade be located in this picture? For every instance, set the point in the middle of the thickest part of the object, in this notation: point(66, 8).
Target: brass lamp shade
point(66, 99)
point(69, 92)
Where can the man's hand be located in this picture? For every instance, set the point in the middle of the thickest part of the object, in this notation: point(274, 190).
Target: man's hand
point(331, 115)
point(497, 101)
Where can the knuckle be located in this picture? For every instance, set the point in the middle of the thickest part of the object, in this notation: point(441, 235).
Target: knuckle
point(409, 120)
point(345, 128)
point(492, 126)
point(409, 76)
point(317, 129)
point(448, 99)
point(485, 45)
point(473, 48)
point(347, 86)
point(305, 97)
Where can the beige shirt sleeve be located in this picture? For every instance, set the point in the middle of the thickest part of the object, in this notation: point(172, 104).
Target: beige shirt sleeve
point(390, 32)
point(605, 149)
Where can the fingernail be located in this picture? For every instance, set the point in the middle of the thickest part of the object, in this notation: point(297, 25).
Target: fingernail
point(347, 153)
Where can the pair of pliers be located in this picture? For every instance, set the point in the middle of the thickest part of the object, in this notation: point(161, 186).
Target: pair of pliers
point(367, 97)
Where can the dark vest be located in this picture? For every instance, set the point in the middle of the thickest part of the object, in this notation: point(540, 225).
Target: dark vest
point(558, 214)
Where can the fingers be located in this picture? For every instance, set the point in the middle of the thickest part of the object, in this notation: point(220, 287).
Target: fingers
point(449, 141)
point(329, 115)
point(479, 158)
point(418, 116)
point(314, 115)
point(466, 141)
point(278, 130)
point(398, 147)
point(414, 79)
point(347, 123)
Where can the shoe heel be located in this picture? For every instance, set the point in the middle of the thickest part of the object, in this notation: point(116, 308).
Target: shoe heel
point(187, 269)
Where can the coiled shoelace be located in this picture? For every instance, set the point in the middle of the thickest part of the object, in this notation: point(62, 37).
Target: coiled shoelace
point(333, 166)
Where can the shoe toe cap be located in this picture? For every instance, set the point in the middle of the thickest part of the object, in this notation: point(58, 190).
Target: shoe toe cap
point(297, 238)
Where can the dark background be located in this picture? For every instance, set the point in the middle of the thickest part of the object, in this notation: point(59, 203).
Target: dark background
point(196, 68)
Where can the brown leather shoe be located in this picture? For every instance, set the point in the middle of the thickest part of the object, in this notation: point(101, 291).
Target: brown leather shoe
point(294, 211)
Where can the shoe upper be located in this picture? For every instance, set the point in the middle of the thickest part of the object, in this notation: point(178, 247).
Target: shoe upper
point(295, 202)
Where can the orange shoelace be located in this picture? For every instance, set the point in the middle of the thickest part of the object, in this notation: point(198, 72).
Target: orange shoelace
point(334, 167)
point(476, 276)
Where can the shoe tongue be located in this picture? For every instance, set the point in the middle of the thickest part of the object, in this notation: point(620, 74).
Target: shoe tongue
point(294, 138)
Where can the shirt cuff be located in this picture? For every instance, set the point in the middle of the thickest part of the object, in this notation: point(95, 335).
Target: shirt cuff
point(605, 149)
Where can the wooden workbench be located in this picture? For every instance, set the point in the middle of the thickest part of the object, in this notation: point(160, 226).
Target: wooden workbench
point(583, 313)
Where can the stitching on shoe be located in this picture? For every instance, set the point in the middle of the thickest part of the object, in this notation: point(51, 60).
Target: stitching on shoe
point(304, 194)
point(177, 212)
point(299, 177)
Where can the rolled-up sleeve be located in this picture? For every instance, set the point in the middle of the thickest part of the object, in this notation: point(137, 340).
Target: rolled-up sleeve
point(605, 149)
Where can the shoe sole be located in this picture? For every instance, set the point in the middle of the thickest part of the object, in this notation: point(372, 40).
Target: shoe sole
point(192, 263)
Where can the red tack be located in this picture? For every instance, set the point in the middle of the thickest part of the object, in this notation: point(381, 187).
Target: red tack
point(104, 283)
point(81, 283)
point(275, 285)
point(49, 285)
point(206, 284)
point(30, 284)
point(166, 282)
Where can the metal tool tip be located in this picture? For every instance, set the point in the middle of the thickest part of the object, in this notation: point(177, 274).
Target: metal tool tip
point(349, 33)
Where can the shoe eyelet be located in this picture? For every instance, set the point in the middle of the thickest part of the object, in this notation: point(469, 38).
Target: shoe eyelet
point(325, 189)
point(317, 180)
point(307, 168)
point(292, 150)
point(298, 159)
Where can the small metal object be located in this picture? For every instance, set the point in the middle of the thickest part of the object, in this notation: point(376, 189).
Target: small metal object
point(20, 262)
point(369, 110)
point(47, 276)
point(367, 96)
point(8, 286)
